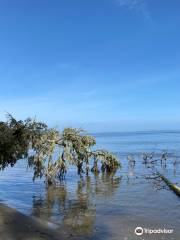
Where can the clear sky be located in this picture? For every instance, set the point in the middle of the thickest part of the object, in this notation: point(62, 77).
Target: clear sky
point(106, 65)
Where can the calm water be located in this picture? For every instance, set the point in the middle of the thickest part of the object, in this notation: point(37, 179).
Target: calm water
point(103, 206)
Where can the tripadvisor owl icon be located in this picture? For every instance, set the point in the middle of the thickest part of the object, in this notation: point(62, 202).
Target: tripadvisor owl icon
point(139, 231)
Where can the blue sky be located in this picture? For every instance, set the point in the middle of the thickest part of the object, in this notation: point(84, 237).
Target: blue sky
point(106, 65)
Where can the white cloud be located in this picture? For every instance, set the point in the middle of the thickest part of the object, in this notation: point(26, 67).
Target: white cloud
point(137, 5)
point(54, 106)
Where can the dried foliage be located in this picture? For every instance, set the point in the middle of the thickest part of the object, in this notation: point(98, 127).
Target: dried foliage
point(49, 151)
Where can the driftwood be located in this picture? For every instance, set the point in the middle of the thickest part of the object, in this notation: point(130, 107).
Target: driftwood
point(172, 186)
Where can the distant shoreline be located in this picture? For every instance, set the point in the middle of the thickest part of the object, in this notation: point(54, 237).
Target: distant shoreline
point(136, 132)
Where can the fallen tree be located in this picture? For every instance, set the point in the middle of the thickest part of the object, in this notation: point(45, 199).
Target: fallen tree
point(49, 151)
point(171, 185)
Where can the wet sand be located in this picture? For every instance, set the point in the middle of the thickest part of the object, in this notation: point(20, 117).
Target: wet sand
point(16, 226)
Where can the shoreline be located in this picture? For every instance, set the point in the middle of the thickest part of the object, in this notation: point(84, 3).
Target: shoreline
point(17, 226)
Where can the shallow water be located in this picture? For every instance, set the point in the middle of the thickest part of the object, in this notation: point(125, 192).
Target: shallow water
point(106, 206)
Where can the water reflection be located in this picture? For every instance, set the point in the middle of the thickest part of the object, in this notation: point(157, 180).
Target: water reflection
point(76, 212)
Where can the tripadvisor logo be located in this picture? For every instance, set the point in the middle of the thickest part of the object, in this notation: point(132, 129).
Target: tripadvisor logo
point(139, 231)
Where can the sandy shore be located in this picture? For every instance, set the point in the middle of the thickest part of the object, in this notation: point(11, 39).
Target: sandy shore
point(16, 226)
